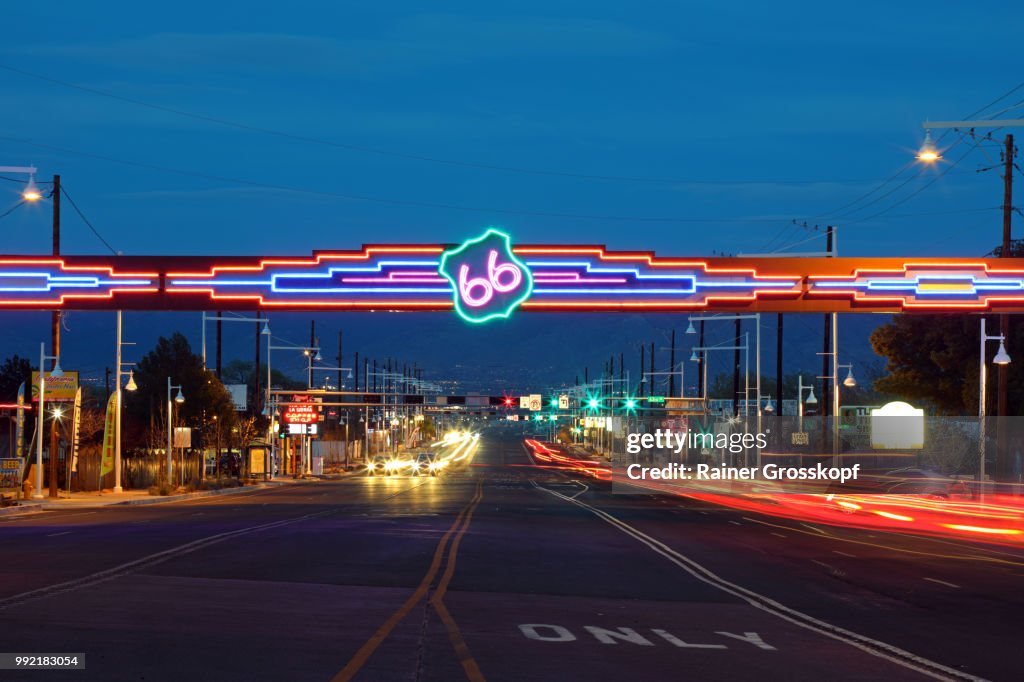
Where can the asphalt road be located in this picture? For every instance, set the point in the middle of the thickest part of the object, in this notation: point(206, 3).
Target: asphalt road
point(498, 570)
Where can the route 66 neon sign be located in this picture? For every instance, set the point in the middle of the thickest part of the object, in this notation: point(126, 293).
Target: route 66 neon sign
point(488, 281)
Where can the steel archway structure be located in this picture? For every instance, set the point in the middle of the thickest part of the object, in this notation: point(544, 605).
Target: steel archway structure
point(564, 278)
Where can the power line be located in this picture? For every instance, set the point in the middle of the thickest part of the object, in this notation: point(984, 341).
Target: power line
point(911, 163)
point(385, 200)
point(12, 209)
point(86, 221)
point(403, 155)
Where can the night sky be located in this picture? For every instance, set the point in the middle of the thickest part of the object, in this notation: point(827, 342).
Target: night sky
point(686, 128)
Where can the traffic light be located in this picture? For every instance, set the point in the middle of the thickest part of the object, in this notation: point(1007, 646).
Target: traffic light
point(630, 404)
point(553, 402)
point(593, 403)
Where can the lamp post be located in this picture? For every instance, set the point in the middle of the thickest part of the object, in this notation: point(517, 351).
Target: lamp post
point(180, 398)
point(1001, 359)
point(56, 373)
point(119, 404)
point(930, 154)
point(311, 352)
point(811, 400)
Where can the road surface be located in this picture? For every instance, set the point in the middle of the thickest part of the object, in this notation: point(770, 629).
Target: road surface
point(498, 570)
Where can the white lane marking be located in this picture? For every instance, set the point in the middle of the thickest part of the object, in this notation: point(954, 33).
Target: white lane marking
point(57, 535)
point(585, 489)
point(822, 563)
point(559, 633)
point(836, 551)
point(871, 646)
point(146, 561)
point(737, 523)
point(814, 528)
point(778, 535)
point(943, 582)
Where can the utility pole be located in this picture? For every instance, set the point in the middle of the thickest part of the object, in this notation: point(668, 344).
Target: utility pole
point(672, 366)
point(701, 374)
point(641, 385)
point(220, 327)
point(339, 366)
point(106, 382)
point(55, 315)
point(312, 345)
point(736, 371)
point(826, 343)
point(778, 367)
point(355, 372)
point(256, 369)
point(1002, 460)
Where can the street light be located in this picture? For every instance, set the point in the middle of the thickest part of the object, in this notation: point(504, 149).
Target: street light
point(849, 381)
point(928, 152)
point(56, 373)
point(1002, 358)
point(180, 398)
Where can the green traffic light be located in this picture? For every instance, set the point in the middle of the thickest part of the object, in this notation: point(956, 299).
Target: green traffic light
point(630, 404)
point(593, 403)
point(554, 402)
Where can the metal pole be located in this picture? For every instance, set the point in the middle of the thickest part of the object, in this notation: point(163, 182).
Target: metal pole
point(835, 390)
point(55, 315)
point(41, 417)
point(117, 413)
point(1004, 319)
point(204, 339)
point(981, 408)
point(757, 378)
point(170, 470)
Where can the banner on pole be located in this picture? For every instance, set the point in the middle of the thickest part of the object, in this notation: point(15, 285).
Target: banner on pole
point(76, 427)
point(20, 437)
point(107, 460)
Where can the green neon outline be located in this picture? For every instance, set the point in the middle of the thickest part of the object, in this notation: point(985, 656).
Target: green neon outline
point(527, 275)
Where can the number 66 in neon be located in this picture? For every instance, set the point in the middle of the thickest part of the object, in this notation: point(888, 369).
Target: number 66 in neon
point(478, 291)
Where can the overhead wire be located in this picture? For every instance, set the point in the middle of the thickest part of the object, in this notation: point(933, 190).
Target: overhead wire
point(385, 200)
point(398, 154)
point(86, 221)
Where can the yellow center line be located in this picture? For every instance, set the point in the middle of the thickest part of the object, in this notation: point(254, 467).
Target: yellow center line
point(469, 664)
point(370, 646)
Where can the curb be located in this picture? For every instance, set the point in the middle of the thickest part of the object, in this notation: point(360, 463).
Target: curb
point(38, 507)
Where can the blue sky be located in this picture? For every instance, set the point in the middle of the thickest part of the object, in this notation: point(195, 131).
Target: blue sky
point(720, 92)
point(681, 127)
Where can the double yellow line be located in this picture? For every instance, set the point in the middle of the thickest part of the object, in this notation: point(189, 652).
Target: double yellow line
point(469, 665)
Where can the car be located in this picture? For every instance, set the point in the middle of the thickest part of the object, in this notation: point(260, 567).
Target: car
point(425, 464)
point(377, 466)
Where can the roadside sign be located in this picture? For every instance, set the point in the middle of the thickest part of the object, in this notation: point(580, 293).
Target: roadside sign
point(656, 399)
point(800, 438)
point(10, 472)
point(62, 389)
point(535, 402)
point(524, 402)
point(563, 402)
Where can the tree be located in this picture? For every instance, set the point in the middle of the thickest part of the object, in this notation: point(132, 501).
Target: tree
point(15, 371)
point(933, 359)
point(205, 396)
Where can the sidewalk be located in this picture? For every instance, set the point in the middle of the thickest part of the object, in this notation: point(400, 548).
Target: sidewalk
point(95, 499)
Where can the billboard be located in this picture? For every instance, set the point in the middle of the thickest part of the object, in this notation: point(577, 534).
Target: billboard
point(61, 389)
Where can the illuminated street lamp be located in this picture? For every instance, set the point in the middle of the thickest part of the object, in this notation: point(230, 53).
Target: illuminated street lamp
point(928, 152)
point(180, 398)
point(1001, 358)
point(56, 373)
point(31, 193)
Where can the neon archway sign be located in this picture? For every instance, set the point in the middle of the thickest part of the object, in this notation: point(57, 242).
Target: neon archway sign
point(490, 277)
point(488, 281)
